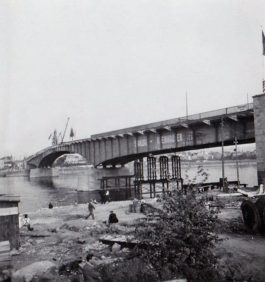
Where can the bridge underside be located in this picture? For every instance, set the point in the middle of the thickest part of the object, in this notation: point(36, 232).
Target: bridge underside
point(48, 160)
point(126, 159)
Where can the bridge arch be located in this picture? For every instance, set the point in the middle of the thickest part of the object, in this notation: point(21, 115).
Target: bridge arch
point(49, 159)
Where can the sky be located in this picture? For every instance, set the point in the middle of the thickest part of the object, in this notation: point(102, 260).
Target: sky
point(111, 64)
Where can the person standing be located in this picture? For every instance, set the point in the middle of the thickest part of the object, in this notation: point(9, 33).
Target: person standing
point(103, 196)
point(26, 222)
point(91, 210)
point(107, 196)
point(135, 203)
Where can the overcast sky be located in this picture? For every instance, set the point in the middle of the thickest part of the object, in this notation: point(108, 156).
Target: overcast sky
point(112, 64)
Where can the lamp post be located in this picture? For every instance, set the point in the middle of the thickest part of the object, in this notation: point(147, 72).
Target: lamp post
point(223, 164)
point(237, 169)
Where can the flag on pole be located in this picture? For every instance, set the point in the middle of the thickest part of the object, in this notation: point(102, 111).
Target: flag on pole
point(72, 134)
point(263, 42)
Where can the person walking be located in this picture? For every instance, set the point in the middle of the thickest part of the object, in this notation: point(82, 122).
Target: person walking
point(91, 210)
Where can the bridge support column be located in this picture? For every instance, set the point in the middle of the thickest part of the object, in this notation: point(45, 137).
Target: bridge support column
point(259, 124)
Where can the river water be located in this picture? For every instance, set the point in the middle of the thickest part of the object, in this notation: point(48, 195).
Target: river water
point(69, 187)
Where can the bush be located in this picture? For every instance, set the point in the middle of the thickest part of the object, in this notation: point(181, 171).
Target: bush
point(132, 270)
point(180, 242)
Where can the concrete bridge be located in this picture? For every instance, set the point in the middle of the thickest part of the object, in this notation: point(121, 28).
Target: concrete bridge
point(204, 130)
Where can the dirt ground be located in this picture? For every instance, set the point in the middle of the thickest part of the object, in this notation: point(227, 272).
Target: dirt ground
point(63, 234)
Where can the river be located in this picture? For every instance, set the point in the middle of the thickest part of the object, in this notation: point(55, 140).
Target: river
point(64, 190)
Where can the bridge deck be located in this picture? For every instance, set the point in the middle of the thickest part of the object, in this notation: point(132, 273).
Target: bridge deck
point(171, 122)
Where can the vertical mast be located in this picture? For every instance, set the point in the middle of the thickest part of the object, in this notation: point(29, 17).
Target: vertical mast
point(263, 55)
point(65, 129)
point(237, 169)
point(223, 164)
point(187, 110)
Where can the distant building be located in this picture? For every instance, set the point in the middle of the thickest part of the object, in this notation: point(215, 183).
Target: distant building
point(11, 164)
point(6, 162)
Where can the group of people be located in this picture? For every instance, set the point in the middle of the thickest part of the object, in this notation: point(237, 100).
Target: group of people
point(105, 196)
point(112, 216)
point(136, 203)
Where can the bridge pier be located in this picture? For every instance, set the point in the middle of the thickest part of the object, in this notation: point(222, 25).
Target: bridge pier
point(259, 124)
point(43, 172)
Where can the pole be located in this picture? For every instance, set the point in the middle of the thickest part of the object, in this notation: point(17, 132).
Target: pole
point(263, 59)
point(187, 112)
point(65, 129)
point(237, 169)
point(223, 164)
point(247, 101)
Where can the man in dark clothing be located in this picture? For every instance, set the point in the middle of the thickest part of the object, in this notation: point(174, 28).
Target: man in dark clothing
point(103, 196)
point(113, 218)
point(91, 210)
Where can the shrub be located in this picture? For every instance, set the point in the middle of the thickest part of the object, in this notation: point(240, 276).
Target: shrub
point(132, 270)
point(180, 242)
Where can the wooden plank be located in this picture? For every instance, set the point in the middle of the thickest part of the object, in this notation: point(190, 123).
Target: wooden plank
point(4, 249)
point(4, 243)
point(8, 211)
point(4, 257)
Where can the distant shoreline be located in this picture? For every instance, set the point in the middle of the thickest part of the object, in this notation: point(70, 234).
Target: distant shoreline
point(203, 162)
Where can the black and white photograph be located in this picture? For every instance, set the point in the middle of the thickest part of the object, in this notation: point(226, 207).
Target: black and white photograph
point(132, 141)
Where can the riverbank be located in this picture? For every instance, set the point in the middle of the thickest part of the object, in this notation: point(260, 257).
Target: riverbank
point(63, 235)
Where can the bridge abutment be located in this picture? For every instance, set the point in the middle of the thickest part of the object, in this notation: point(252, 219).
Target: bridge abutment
point(259, 124)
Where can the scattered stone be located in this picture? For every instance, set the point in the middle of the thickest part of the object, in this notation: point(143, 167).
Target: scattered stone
point(125, 250)
point(116, 248)
point(80, 241)
point(68, 227)
point(14, 252)
point(40, 241)
point(70, 267)
point(36, 269)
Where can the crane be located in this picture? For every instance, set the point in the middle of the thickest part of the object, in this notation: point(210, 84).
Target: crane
point(65, 129)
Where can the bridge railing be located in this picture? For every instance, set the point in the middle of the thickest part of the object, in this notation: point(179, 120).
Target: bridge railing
point(220, 112)
point(40, 152)
point(170, 122)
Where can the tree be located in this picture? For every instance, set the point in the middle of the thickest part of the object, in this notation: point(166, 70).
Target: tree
point(180, 242)
point(54, 138)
